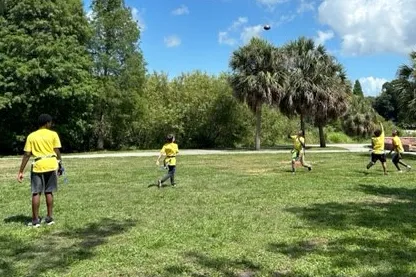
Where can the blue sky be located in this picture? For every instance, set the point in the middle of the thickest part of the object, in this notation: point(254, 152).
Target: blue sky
point(371, 38)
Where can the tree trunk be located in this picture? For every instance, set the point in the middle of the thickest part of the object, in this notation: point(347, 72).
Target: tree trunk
point(100, 139)
point(258, 125)
point(322, 141)
point(302, 124)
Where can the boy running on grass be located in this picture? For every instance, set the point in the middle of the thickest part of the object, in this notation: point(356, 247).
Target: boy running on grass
point(169, 150)
point(398, 150)
point(377, 143)
point(298, 151)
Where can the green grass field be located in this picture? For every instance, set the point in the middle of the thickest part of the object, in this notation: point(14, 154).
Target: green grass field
point(230, 215)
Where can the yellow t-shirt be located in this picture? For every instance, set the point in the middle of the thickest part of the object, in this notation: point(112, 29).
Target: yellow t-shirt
point(397, 145)
point(378, 144)
point(297, 142)
point(170, 150)
point(41, 143)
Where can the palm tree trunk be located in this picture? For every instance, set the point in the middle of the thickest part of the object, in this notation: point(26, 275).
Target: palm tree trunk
point(302, 124)
point(322, 141)
point(258, 125)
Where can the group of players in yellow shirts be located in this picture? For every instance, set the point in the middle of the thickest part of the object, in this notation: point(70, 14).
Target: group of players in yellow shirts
point(377, 151)
point(44, 145)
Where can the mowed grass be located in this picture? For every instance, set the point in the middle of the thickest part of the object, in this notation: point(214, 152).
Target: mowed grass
point(230, 215)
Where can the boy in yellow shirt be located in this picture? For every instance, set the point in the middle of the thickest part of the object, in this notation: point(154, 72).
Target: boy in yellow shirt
point(43, 145)
point(169, 150)
point(298, 151)
point(378, 154)
point(398, 150)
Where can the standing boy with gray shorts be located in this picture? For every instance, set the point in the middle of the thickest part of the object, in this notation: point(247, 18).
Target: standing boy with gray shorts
point(44, 145)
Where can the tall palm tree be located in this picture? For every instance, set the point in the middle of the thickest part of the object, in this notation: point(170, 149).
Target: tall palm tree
point(332, 93)
point(406, 87)
point(301, 61)
point(316, 87)
point(256, 78)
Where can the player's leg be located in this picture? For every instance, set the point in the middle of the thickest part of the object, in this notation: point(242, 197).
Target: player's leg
point(295, 155)
point(303, 163)
point(36, 182)
point(373, 161)
point(395, 160)
point(383, 160)
point(51, 185)
point(172, 170)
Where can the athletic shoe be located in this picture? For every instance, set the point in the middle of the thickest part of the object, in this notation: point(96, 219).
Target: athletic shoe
point(173, 185)
point(400, 171)
point(35, 223)
point(309, 168)
point(49, 221)
point(408, 167)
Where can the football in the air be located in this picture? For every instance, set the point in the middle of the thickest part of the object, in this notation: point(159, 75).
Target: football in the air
point(266, 27)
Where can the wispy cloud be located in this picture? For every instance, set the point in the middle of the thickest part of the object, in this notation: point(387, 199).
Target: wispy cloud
point(324, 36)
point(182, 10)
point(372, 85)
point(239, 31)
point(172, 41)
point(250, 32)
point(138, 17)
point(305, 6)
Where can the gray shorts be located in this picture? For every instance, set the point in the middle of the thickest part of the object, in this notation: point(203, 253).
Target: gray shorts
point(44, 182)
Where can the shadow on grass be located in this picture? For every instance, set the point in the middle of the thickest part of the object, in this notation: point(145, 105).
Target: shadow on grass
point(214, 266)
point(56, 251)
point(391, 211)
point(24, 219)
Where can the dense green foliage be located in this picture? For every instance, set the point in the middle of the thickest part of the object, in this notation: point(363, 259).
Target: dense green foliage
point(90, 75)
point(357, 89)
point(44, 67)
point(397, 100)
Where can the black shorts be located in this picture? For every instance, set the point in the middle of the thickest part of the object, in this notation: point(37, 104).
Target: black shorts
point(396, 157)
point(378, 157)
point(44, 182)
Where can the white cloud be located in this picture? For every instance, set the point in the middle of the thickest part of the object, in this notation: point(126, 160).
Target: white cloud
point(223, 38)
point(324, 36)
point(172, 41)
point(239, 22)
point(138, 17)
point(181, 10)
point(372, 86)
point(371, 26)
point(239, 31)
point(305, 6)
point(270, 4)
point(250, 32)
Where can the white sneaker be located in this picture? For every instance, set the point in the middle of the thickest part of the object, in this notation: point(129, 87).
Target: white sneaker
point(409, 167)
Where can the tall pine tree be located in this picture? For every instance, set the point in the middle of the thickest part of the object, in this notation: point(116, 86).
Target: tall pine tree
point(44, 68)
point(357, 90)
point(120, 71)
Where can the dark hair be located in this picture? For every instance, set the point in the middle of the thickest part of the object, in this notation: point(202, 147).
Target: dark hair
point(377, 132)
point(170, 137)
point(395, 132)
point(44, 119)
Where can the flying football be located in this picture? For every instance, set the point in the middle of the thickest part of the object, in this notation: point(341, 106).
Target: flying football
point(266, 27)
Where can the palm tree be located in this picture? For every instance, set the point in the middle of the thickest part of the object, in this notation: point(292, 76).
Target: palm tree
point(332, 93)
point(359, 121)
point(406, 87)
point(301, 61)
point(256, 78)
point(316, 87)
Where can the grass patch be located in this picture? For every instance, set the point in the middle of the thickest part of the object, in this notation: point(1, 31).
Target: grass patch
point(233, 215)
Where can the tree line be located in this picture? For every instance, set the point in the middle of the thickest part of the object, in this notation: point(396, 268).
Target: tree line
point(89, 73)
